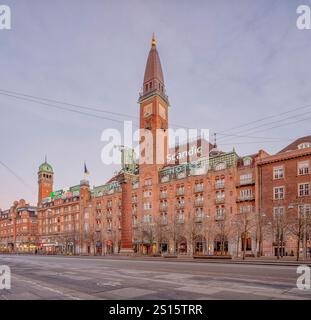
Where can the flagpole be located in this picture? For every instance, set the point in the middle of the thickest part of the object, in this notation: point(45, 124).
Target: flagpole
point(84, 170)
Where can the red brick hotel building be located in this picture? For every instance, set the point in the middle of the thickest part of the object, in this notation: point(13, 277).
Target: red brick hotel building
point(221, 203)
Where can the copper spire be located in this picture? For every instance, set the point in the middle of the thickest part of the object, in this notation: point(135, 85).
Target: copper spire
point(153, 78)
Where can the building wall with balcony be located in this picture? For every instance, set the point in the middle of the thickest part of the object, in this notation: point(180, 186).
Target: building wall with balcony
point(274, 174)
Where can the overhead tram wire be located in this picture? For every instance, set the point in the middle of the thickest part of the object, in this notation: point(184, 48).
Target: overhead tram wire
point(67, 104)
point(15, 93)
point(265, 118)
point(15, 174)
point(38, 100)
point(289, 123)
point(278, 126)
point(63, 108)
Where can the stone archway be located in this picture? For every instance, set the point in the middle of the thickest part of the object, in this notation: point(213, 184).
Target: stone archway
point(182, 246)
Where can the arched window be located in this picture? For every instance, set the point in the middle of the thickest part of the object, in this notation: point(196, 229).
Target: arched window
point(220, 166)
point(247, 161)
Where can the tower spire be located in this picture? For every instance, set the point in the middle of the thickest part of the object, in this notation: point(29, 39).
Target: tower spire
point(153, 78)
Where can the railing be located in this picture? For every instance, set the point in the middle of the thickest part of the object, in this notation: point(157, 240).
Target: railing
point(199, 188)
point(220, 199)
point(134, 200)
point(245, 182)
point(198, 203)
point(219, 185)
point(180, 192)
point(180, 205)
point(163, 195)
point(246, 198)
point(219, 216)
point(163, 208)
point(199, 218)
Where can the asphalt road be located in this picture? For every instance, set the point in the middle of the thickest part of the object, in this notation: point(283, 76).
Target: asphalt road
point(55, 277)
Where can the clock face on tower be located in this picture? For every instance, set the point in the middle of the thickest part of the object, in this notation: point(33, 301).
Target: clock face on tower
point(162, 111)
point(148, 110)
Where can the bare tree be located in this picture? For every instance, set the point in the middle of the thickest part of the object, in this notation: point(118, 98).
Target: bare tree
point(176, 231)
point(299, 224)
point(245, 222)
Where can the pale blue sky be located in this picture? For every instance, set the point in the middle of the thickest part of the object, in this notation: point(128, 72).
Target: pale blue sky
point(224, 62)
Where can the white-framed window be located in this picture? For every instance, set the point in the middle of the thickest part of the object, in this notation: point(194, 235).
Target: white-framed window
point(278, 212)
point(247, 209)
point(220, 166)
point(180, 216)
point(303, 189)
point(246, 178)
point(247, 161)
point(220, 212)
point(304, 210)
point(278, 172)
point(147, 218)
point(304, 145)
point(147, 206)
point(220, 183)
point(148, 182)
point(164, 218)
point(246, 193)
point(220, 195)
point(303, 168)
point(147, 194)
point(279, 193)
point(135, 184)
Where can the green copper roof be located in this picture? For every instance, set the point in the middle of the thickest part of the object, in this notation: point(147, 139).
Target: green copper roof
point(46, 168)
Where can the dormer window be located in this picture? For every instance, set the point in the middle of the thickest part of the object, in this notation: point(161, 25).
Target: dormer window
point(304, 145)
point(247, 161)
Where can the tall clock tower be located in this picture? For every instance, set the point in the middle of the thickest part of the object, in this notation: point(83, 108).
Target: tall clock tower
point(153, 115)
point(45, 181)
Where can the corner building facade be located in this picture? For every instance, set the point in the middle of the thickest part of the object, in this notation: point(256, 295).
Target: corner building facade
point(213, 204)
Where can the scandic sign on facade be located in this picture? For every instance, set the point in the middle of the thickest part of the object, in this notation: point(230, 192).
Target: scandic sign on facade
point(194, 151)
